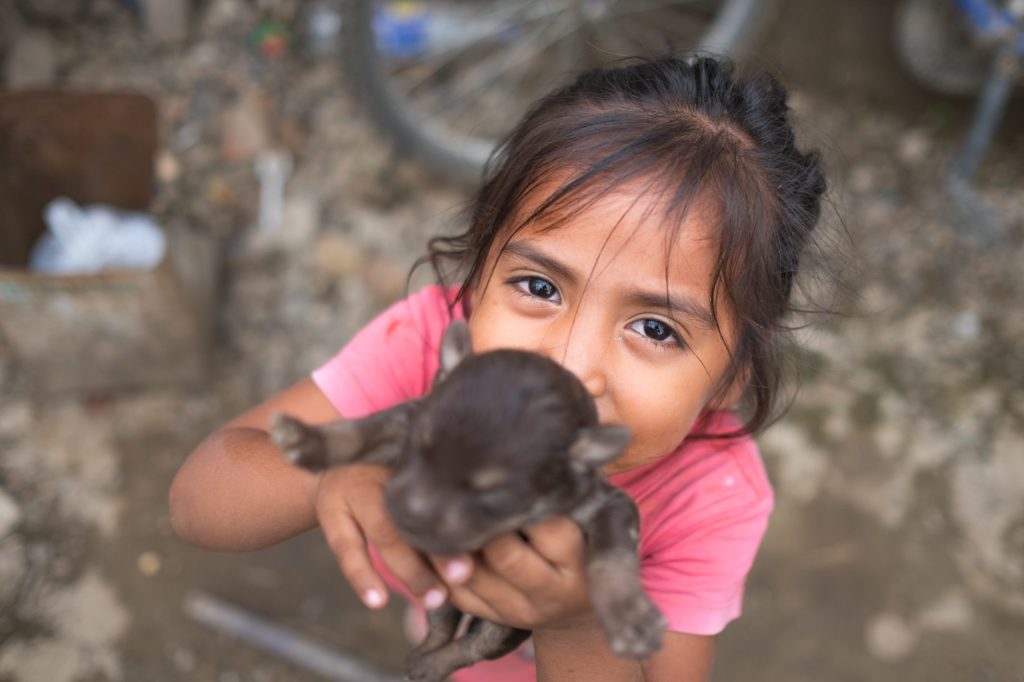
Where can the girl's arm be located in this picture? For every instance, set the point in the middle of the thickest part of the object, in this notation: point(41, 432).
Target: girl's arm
point(236, 493)
point(582, 654)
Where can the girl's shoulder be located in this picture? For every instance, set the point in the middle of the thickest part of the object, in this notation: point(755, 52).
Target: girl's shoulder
point(428, 311)
point(705, 477)
point(704, 509)
point(392, 358)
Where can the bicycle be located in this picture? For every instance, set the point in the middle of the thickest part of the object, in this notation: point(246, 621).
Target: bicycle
point(446, 79)
point(444, 94)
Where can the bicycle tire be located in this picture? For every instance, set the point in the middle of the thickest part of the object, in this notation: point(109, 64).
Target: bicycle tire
point(460, 157)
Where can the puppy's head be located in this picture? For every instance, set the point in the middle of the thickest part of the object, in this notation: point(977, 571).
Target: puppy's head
point(506, 438)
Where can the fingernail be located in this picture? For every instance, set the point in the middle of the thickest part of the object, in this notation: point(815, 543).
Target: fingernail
point(373, 598)
point(433, 598)
point(457, 570)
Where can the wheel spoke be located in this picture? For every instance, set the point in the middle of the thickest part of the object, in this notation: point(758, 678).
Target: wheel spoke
point(511, 16)
point(502, 62)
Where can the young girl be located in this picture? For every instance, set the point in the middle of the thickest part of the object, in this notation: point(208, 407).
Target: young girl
point(642, 227)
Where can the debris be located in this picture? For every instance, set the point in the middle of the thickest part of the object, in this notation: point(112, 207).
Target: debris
point(335, 256)
point(271, 39)
point(10, 514)
point(168, 168)
point(13, 568)
point(914, 147)
point(952, 612)
point(321, 29)
point(273, 169)
point(149, 564)
point(166, 21)
point(86, 619)
point(31, 62)
point(86, 240)
point(889, 637)
point(15, 418)
point(245, 128)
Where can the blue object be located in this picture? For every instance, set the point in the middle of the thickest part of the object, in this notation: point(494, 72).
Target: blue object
point(401, 28)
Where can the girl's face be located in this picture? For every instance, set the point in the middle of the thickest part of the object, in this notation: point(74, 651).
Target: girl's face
point(591, 294)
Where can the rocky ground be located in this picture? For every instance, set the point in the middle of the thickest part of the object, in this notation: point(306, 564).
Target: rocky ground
point(897, 549)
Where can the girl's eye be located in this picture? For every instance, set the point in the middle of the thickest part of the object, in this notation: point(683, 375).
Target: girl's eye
point(538, 287)
point(656, 331)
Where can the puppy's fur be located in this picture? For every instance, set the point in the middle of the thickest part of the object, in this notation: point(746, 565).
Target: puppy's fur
point(503, 440)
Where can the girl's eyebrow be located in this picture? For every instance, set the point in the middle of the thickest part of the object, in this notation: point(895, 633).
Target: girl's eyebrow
point(683, 306)
point(523, 250)
point(678, 305)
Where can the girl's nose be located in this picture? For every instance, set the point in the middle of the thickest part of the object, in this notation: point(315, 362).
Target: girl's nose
point(583, 352)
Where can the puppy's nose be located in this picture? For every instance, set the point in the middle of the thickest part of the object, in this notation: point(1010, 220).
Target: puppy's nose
point(417, 502)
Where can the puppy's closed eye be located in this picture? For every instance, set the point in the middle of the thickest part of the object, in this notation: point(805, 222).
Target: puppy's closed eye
point(489, 478)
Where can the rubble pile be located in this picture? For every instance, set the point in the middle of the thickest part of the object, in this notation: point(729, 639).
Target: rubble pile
point(897, 549)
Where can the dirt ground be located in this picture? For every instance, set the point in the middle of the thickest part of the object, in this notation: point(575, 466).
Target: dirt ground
point(897, 548)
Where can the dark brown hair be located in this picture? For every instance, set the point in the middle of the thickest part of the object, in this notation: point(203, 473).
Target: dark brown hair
point(700, 138)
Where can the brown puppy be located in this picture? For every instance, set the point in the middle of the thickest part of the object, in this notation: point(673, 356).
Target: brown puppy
point(504, 439)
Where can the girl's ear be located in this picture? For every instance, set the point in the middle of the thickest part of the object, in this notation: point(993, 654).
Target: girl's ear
point(455, 346)
point(597, 445)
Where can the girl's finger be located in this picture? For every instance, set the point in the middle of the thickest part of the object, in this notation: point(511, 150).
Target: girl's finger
point(349, 547)
point(489, 596)
point(518, 563)
point(559, 540)
point(455, 570)
point(404, 562)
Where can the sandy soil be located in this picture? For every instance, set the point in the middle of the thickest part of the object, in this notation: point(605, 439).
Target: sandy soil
point(897, 548)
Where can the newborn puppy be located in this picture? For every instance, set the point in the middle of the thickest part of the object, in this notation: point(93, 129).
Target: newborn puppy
point(503, 440)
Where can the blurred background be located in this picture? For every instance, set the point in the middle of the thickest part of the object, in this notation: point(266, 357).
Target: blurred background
point(276, 167)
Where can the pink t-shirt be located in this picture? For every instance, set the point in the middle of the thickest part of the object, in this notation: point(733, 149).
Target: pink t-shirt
point(703, 507)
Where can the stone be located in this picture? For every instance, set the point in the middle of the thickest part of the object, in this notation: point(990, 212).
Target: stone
point(31, 62)
point(889, 637)
point(166, 21)
point(385, 280)
point(72, 458)
point(15, 418)
point(86, 619)
point(244, 128)
point(914, 146)
point(10, 514)
point(184, 660)
point(951, 612)
point(168, 168)
point(336, 255)
point(149, 564)
point(13, 567)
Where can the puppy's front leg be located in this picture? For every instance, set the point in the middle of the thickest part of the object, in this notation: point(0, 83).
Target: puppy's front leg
point(632, 623)
point(374, 439)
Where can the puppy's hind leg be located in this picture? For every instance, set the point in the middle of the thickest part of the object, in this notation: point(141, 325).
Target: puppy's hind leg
point(442, 623)
point(483, 640)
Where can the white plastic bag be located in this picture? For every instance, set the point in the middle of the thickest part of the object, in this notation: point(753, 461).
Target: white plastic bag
point(86, 240)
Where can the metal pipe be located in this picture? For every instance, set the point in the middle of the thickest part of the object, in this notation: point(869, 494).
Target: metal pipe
point(262, 634)
point(991, 104)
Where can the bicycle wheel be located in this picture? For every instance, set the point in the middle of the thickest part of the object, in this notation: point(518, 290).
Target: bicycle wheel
point(445, 80)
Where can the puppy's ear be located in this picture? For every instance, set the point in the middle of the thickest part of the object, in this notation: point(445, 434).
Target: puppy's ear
point(597, 445)
point(455, 346)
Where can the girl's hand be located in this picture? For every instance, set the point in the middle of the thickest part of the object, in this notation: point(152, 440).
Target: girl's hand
point(350, 509)
point(534, 582)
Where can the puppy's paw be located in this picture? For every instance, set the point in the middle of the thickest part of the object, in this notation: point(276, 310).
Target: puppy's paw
point(420, 666)
point(633, 624)
point(302, 445)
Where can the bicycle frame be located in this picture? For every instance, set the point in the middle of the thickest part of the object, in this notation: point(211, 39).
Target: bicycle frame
point(993, 24)
point(1003, 29)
